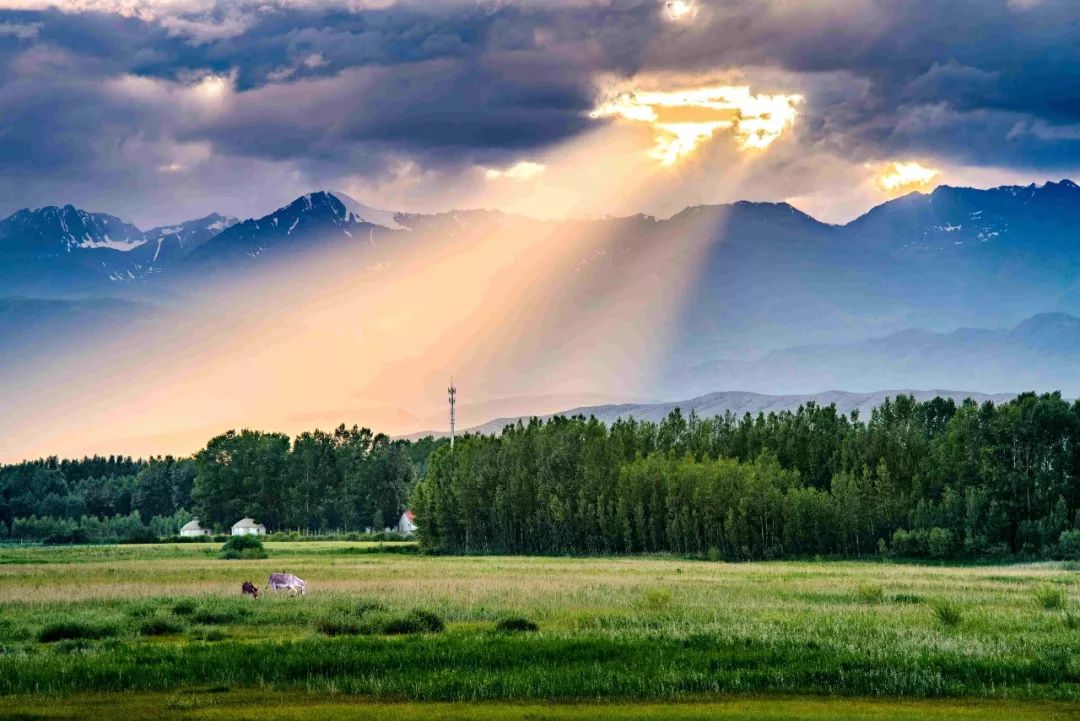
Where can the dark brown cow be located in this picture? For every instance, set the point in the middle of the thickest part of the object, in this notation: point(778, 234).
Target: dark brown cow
point(249, 587)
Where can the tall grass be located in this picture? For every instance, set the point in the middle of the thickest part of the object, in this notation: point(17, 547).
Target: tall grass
point(631, 628)
point(1050, 596)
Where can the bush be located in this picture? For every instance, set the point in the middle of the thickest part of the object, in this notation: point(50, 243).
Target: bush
point(909, 543)
point(67, 537)
point(1069, 545)
point(1071, 621)
point(870, 594)
point(67, 630)
point(939, 543)
point(1050, 597)
point(161, 626)
point(243, 547)
point(516, 624)
point(415, 621)
point(948, 613)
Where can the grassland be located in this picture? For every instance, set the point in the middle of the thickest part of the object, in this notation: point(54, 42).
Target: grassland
point(164, 627)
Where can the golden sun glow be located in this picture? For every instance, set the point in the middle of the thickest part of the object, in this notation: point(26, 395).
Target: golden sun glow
point(680, 9)
point(898, 176)
point(522, 170)
point(684, 119)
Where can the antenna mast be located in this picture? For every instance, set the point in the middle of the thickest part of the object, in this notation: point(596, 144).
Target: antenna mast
point(453, 402)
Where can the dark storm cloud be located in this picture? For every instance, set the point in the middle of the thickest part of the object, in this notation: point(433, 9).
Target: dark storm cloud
point(949, 78)
point(327, 89)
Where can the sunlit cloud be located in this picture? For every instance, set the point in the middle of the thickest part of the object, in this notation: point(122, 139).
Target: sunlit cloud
point(523, 170)
point(684, 119)
point(902, 177)
point(680, 9)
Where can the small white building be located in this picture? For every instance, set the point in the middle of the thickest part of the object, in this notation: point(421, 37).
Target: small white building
point(407, 523)
point(191, 529)
point(248, 527)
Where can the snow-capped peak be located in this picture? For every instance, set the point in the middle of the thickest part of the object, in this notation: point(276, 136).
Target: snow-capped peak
point(360, 213)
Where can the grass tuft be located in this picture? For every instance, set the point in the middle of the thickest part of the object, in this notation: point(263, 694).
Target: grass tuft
point(415, 621)
point(341, 625)
point(184, 607)
point(948, 613)
point(516, 624)
point(912, 598)
point(1050, 596)
point(161, 626)
point(870, 594)
point(209, 633)
point(658, 599)
point(70, 630)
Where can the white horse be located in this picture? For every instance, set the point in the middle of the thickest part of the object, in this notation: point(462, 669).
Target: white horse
point(287, 582)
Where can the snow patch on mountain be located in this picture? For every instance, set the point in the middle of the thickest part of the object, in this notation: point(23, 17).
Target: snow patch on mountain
point(360, 213)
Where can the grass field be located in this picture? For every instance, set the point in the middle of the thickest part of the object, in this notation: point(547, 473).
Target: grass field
point(165, 627)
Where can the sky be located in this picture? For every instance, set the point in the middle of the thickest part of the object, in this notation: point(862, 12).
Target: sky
point(167, 110)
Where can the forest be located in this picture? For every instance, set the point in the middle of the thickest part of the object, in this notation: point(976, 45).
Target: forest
point(346, 480)
point(934, 479)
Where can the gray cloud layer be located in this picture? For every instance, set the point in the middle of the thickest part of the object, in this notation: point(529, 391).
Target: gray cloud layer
point(106, 109)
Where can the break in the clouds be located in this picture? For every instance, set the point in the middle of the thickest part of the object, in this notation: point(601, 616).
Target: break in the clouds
point(167, 109)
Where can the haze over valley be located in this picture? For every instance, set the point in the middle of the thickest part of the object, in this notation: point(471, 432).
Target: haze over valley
point(326, 311)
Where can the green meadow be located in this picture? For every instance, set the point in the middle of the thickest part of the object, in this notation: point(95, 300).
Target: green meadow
point(137, 630)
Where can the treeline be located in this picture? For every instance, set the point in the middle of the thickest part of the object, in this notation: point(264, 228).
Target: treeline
point(95, 499)
point(916, 479)
point(347, 480)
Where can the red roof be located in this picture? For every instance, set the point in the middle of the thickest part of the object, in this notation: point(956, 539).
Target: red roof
point(410, 516)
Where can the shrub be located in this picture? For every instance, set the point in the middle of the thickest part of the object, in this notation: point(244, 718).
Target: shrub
point(948, 613)
point(939, 542)
point(415, 621)
point(161, 626)
point(516, 624)
point(909, 543)
point(1050, 597)
point(870, 593)
point(1069, 545)
point(657, 598)
point(243, 547)
point(1071, 621)
point(66, 630)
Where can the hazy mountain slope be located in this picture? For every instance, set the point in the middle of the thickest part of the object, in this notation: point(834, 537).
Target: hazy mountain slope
point(739, 403)
point(786, 301)
point(1040, 353)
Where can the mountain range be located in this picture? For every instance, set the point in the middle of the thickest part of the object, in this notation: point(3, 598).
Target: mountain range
point(960, 287)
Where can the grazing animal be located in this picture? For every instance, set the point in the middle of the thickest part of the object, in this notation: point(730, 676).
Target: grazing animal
point(249, 587)
point(287, 582)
